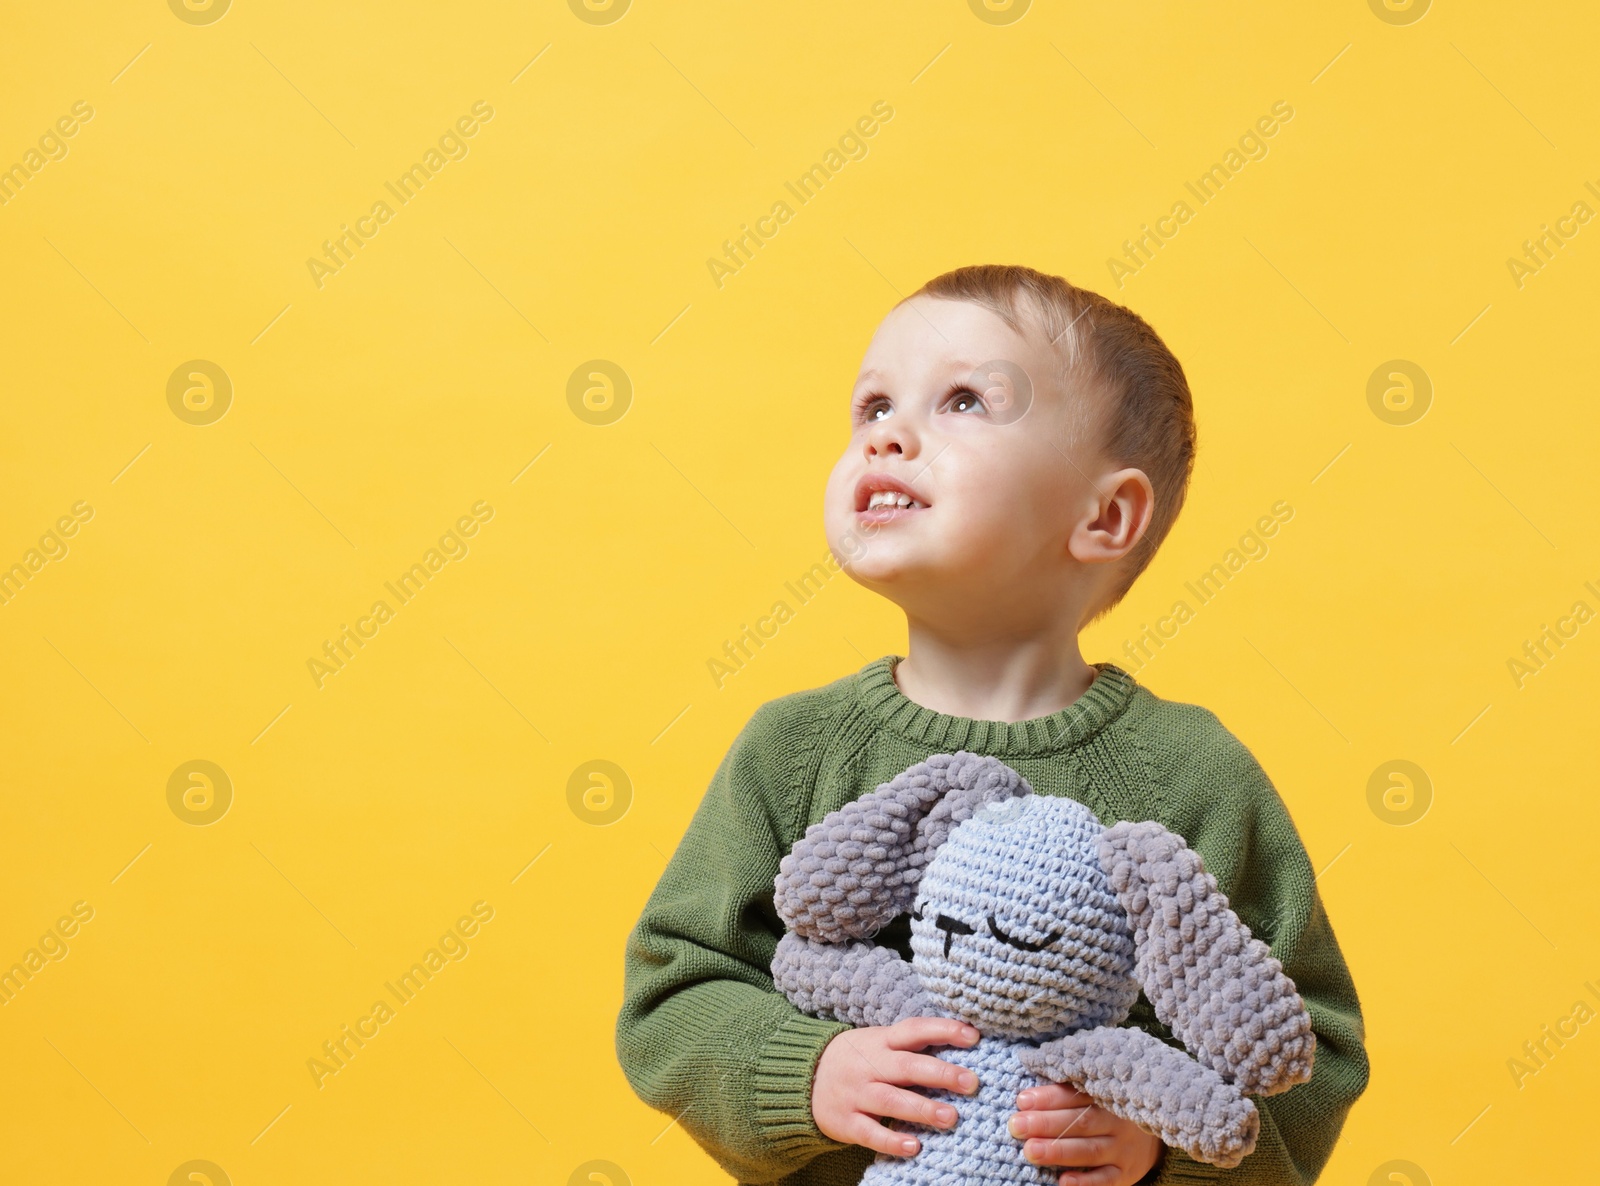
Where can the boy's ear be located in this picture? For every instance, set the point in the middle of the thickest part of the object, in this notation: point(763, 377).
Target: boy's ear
point(1118, 519)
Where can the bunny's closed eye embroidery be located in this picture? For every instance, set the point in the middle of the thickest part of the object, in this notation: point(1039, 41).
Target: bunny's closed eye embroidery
point(953, 926)
point(1123, 909)
point(994, 927)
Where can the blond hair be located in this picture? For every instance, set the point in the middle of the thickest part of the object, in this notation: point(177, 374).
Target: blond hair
point(1149, 420)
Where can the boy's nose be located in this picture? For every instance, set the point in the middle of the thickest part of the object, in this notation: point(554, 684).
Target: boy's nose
point(888, 437)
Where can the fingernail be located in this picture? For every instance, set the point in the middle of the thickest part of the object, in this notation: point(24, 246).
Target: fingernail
point(1014, 1126)
point(1025, 1099)
point(946, 1115)
point(969, 1082)
point(908, 1145)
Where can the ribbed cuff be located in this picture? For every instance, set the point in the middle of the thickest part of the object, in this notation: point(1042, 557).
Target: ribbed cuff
point(1179, 1169)
point(784, 1073)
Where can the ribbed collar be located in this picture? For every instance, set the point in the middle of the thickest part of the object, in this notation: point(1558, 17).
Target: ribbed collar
point(1060, 730)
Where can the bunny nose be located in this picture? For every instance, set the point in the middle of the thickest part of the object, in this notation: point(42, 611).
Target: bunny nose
point(951, 928)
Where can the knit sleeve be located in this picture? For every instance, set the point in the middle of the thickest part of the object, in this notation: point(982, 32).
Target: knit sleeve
point(1228, 810)
point(702, 1034)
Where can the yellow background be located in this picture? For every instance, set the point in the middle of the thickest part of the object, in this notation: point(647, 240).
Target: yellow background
point(369, 414)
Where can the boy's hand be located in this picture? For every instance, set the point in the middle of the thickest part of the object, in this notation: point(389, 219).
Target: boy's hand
point(1061, 1125)
point(858, 1072)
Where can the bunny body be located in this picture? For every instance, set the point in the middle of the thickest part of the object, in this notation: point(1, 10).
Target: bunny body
point(989, 876)
point(1039, 926)
point(979, 1149)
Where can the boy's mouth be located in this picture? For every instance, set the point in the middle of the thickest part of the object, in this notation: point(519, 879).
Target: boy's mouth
point(881, 499)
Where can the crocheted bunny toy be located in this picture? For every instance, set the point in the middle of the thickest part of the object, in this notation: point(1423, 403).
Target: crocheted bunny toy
point(1038, 926)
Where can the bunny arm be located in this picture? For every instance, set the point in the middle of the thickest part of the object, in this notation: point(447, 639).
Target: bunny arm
point(1220, 990)
point(1135, 1075)
point(860, 983)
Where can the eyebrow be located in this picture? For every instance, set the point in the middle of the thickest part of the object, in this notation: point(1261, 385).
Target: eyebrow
point(959, 366)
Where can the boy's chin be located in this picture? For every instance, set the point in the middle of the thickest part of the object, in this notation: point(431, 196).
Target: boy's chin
point(902, 580)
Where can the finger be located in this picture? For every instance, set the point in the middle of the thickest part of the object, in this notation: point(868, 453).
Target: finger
point(916, 1032)
point(1071, 1151)
point(927, 1070)
point(1052, 1095)
point(1100, 1175)
point(884, 1099)
point(864, 1130)
point(1063, 1122)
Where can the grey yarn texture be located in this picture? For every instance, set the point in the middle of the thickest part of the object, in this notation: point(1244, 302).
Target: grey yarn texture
point(1039, 926)
point(1219, 990)
point(855, 871)
point(1159, 1088)
point(861, 983)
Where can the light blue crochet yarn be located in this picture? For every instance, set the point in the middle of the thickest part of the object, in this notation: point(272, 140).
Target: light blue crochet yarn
point(1030, 865)
point(979, 1149)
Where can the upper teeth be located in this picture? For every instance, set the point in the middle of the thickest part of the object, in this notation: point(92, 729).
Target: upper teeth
point(891, 498)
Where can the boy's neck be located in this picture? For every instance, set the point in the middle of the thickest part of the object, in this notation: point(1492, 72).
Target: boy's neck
point(993, 678)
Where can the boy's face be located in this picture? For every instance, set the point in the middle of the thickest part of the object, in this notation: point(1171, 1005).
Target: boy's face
point(970, 419)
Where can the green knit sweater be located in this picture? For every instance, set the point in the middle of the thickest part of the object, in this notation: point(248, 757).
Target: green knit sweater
point(703, 1035)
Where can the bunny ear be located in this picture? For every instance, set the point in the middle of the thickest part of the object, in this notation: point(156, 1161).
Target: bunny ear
point(1218, 989)
point(859, 867)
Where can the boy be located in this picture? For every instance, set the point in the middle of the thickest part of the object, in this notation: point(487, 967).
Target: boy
point(1019, 449)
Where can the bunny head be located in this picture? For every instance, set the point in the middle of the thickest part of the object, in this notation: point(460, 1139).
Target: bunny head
point(1016, 928)
point(1029, 919)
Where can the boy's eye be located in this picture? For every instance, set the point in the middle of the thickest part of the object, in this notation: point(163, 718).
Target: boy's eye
point(994, 928)
point(869, 407)
point(960, 397)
